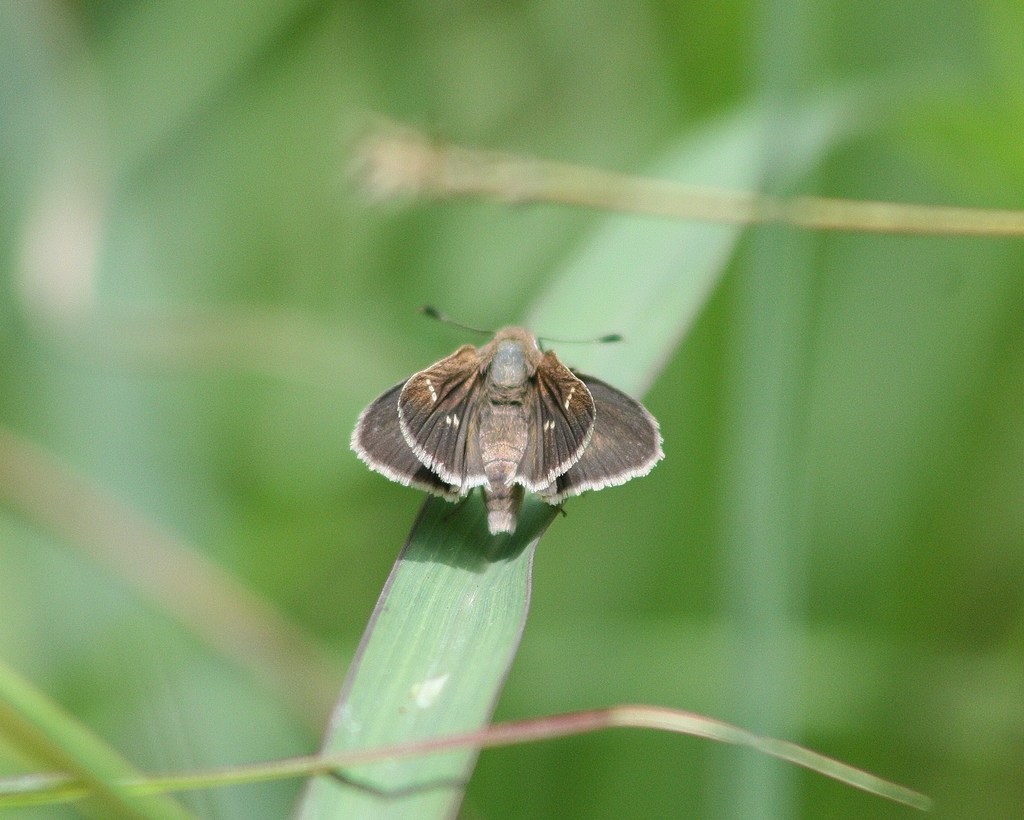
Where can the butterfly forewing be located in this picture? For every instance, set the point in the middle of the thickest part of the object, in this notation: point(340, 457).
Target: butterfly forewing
point(625, 444)
point(437, 414)
point(379, 443)
point(561, 425)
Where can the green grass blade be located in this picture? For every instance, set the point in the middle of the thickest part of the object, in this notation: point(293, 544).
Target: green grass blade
point(433, 659)
point(48, 735)
point(437, 650)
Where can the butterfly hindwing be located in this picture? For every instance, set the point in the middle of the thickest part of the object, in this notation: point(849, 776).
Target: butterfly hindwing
point(437, 416)
point(379, 443)
point(625, 443)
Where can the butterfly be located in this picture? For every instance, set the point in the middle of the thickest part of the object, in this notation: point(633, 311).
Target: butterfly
point(509, 418)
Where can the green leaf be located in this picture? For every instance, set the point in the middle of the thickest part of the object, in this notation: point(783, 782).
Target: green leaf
point(433, 659)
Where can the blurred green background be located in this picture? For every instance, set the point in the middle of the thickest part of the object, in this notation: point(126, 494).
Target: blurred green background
point(195, 304)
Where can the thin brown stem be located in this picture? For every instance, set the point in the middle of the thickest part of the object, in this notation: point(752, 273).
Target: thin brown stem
point(504, 734)
point(394, 162)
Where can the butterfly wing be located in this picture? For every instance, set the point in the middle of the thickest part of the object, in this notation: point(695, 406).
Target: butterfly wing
point(561, 424)
point(379, 443)
point(625, 443)
point(438, 419)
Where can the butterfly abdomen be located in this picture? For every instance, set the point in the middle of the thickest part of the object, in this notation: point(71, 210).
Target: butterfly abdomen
point(503, 509)
point(503, 436)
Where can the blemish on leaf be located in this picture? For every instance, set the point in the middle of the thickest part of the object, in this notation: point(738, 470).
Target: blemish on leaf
point(426, 692)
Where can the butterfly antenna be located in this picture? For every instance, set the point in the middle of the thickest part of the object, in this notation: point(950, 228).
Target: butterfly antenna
point(434, 313)
point(610, 337)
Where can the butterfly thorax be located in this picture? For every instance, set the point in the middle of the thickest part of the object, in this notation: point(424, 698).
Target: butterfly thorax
point(511, 363)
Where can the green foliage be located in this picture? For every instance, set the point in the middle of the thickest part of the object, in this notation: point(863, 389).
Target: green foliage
point(195, 304)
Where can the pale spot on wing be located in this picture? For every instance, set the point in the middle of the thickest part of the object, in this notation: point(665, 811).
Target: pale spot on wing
point(426, 692)
point(430, 387)
point(455, 420)
point(448, 421)
point(569, 397)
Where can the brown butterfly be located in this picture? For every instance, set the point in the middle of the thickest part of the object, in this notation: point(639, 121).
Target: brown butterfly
point(506, 417)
